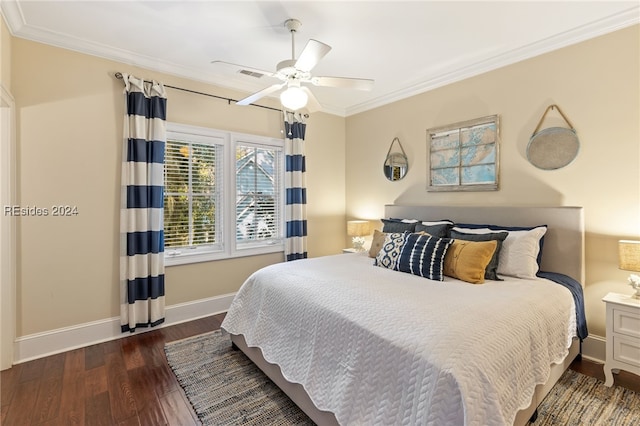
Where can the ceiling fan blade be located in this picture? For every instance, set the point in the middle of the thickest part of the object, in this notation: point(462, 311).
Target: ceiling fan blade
point(311, 55)
point(264, 92)
point(242, 69)
point(312, 103)
point(343, 82)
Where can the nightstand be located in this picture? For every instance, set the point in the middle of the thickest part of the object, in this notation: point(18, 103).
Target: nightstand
point(349, 250)
point(623, 335)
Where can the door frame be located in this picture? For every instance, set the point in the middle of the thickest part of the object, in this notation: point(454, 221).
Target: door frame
point(7, 228)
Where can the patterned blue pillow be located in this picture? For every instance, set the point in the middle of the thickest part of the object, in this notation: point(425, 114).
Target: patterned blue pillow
point(388, 255)
point(423, 255)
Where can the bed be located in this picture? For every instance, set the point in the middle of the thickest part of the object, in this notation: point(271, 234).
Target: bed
point(352, 343)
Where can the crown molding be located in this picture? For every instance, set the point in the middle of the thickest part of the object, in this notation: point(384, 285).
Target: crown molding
point(12, 15)
point(19, 28)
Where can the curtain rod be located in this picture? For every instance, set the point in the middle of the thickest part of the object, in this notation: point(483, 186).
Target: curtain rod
point(119, 76)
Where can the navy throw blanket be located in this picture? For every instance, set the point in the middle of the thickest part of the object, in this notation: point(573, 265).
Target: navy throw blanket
point(578, 297)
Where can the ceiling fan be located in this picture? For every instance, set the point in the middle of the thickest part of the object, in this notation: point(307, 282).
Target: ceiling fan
point(296, 73)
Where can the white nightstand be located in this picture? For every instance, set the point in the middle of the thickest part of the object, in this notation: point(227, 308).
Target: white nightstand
point(349, 250)
point(623, 335)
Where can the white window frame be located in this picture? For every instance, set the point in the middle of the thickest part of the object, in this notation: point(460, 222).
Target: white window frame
point(226, 212)
point(248, 140)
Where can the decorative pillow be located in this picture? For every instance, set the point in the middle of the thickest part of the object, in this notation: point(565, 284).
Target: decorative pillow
point(388, 255)
point(438, 229)
point(467, 260)
point(519, 252)
point(491, 271)
point(376, 243)
point(398, 225)
point(507, 229)
point(423, 255)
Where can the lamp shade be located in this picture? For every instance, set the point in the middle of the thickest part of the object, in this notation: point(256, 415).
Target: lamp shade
point(357, 228)
point(629, 255)
point(294, 97)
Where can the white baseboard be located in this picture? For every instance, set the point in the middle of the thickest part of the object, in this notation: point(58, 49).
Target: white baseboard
point(51, 342)
point(595, 348)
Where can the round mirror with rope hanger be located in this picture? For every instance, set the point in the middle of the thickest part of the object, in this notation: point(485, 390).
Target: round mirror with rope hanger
point(396, 164)
point(554, 147)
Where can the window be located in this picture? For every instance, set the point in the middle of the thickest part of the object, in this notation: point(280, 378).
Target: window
point(223, 194)
point(258, 187)
point(192, 193)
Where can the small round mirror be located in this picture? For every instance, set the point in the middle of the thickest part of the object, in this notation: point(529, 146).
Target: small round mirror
point(395, 166)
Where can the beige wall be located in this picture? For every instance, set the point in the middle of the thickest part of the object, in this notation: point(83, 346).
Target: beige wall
point(5, 54)
point(596, 85)
point(70, 112)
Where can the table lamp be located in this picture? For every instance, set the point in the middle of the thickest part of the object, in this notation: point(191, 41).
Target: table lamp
point(629, 260)
point(358, 229)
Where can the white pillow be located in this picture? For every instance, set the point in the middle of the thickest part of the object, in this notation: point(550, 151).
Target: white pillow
point(519, 252)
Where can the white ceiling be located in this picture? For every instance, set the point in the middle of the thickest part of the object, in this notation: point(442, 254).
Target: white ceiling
point(407, 47)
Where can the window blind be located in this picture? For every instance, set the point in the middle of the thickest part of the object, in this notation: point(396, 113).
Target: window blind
point(258, 194)
point(192, 190)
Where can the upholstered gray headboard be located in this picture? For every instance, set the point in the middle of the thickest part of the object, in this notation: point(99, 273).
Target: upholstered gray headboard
point(563, 249)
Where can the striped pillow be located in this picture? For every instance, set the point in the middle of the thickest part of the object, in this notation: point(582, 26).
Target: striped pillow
point(423, 255)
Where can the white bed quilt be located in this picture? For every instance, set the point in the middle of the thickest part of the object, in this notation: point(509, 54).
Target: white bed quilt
point(380, 347)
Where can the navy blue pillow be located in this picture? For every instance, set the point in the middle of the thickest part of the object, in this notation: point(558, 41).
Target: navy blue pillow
point(491, 271)
point(423, 255)
point(397, 225)
point(440, 230)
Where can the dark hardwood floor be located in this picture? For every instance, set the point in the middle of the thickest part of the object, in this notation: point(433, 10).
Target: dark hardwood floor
point(127, 382)
point(595, 369)
point(120, 382)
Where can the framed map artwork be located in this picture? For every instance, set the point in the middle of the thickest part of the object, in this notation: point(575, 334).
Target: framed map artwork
point(464, 156)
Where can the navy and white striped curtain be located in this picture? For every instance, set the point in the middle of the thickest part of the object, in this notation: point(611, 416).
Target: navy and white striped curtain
point(296, 203)
point(142, 205)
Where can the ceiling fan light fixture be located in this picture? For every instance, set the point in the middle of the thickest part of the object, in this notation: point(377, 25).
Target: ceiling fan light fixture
point(292, 72)
point(294, 98)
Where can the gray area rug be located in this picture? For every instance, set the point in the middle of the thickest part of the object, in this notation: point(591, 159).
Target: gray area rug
point(583, 400)
point(226, 388)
